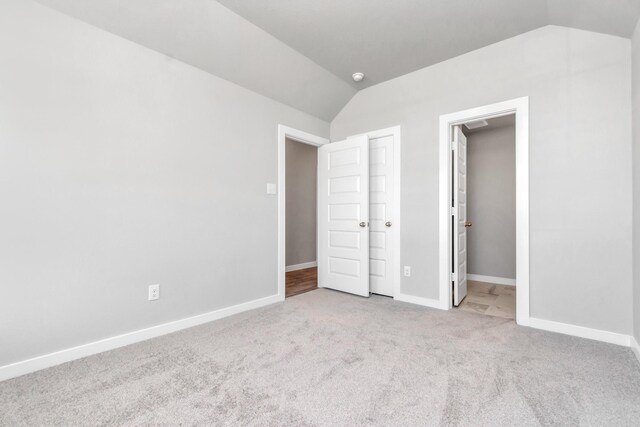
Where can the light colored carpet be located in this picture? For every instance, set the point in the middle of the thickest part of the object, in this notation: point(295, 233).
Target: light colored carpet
point(326, 358)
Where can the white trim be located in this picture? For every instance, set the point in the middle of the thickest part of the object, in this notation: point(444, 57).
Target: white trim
point(492, 279)
point(426, 302)
point(285, 132)
point(56, 358)
point(635, 347)
point(520, 107)
point(580, 331)
point(394, 131)
point(547, 325)
point(302, 266)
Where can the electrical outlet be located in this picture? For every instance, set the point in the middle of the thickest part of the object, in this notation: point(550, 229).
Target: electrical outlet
point(407, 271)
point(154, 292)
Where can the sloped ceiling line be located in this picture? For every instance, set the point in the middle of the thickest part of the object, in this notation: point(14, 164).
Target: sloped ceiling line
point(302, 53)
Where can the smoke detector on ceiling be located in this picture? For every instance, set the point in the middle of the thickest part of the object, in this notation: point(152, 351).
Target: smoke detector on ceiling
point(476, 124)
point(357, 77)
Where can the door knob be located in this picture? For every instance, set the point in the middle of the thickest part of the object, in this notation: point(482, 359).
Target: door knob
point(388, 223)
point(363, 224)
point(467, 224)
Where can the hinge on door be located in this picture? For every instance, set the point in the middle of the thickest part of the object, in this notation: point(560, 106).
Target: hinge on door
point(453, 210)
point(453, 277)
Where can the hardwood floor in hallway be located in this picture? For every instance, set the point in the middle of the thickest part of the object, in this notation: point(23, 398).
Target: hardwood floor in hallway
point(301, 281)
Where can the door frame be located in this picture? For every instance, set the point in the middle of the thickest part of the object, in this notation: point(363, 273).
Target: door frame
point(519, 107)
point(285, 132)
point(395, 132)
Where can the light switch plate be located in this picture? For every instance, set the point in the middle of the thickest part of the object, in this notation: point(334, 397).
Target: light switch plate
point(272, 188)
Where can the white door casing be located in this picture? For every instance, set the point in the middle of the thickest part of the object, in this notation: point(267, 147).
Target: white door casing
point(519, 107)
point(343, 216)
point(381, 238)
point(459, 212)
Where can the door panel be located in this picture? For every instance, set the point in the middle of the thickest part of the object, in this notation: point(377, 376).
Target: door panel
point(381, 208)
point(460, 216)
point(343, 216)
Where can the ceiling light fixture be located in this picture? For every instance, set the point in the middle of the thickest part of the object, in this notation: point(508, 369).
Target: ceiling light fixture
point(357, 77)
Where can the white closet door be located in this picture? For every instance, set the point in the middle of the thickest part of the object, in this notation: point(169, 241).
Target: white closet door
point(343, 216)
point(459, 216)
point(381, 187)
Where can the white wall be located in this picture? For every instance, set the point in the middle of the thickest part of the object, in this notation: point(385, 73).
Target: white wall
point(205, 34)
point(120, 168)
point(636, 180)
point(301, 179)
point(491, 202)
point(579, 84)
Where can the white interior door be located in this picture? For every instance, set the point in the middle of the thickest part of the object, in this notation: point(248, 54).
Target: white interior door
point(381, 187)
point(459, 216)
point(343, 216)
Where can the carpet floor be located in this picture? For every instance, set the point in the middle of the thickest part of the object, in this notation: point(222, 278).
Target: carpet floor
point(327, 358)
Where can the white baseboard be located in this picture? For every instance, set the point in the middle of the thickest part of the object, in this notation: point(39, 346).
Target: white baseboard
point(52, 359)
point(492, 279)
point(426, 302)
point(296, 267)
point(635, 347)
point(581, 331)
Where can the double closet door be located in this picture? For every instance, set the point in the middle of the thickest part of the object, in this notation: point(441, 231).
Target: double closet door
point(355, 207)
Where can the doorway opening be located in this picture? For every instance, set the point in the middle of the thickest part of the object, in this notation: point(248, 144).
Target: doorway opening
point(484, 183)
point(357, 213)
point(298, 210)
point(301, 193)
point(454, 223)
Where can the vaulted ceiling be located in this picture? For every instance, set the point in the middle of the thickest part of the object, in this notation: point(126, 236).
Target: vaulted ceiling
point(385, 39)
point(303, 52)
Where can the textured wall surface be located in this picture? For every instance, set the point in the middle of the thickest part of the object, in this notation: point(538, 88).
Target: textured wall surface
point(636, 181)
point(121, 168)
point(579, 88)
